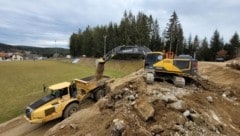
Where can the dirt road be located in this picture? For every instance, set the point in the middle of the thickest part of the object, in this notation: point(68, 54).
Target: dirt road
point(20, 127)
point(218, 111)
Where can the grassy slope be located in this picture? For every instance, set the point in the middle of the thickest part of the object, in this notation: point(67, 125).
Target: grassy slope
point(21, 81)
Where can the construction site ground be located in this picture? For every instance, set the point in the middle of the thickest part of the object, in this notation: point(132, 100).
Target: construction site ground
point(133, 107)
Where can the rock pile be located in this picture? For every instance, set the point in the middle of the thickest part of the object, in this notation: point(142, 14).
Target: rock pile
point(135, 108)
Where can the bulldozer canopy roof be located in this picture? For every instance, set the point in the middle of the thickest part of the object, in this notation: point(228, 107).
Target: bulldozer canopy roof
point(59, 86)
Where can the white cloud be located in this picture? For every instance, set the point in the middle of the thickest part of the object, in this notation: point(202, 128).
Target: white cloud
point(50, 43)
point(39, 23)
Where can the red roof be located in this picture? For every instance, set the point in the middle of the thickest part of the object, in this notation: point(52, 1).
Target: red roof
point(3, 54)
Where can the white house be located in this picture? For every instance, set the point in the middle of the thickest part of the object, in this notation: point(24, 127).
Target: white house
point(17, 56)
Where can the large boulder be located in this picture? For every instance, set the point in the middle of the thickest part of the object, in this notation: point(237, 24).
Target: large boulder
point(144, 109)
point(118, 127)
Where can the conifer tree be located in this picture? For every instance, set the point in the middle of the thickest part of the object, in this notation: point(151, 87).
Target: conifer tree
point(215, 45)
point(190, 45)
point(73, 44)
point(235, 40)
point(195, 45)
point(203, 51)
point(234, 46)
point(174, 34)
point(155, 44)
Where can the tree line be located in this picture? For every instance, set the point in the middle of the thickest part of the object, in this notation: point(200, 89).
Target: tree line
point(143, 30)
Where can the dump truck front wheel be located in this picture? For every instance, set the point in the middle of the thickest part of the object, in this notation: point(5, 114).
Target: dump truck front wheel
point(72, 108)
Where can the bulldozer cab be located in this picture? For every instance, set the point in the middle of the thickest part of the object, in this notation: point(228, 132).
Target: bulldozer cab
point(152, 58)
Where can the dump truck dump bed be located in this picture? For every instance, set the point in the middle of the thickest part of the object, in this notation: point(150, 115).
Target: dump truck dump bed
point(90, 83)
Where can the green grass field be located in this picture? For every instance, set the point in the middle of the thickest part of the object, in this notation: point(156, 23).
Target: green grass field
point(21, 82)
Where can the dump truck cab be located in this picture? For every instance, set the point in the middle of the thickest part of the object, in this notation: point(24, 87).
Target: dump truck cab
point(52, 105)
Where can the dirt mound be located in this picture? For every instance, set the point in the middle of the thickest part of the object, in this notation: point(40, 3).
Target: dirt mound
point(224, 79)
point(136, 108)
point(234, 64)
point(219, 73)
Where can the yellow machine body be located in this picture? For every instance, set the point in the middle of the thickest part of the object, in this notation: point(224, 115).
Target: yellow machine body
point(162, 67)
point(64, 99)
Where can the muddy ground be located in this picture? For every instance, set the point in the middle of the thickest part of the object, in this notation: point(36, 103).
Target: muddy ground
point(136, 108)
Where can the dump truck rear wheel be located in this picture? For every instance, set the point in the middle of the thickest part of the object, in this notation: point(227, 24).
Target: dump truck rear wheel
point(72, 108)
point(99, 94)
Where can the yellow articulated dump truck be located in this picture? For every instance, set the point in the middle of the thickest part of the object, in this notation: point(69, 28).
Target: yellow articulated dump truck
point(65, 99)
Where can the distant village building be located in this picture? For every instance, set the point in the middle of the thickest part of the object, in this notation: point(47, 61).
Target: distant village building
point(31, 56)
point(2, 56)
point(17, 56)
point(68, 56)
point(5, 56)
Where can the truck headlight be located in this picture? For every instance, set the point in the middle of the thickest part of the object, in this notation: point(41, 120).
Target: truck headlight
point(28, 112)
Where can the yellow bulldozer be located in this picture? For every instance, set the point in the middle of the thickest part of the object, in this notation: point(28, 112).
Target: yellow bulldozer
point(166, 66)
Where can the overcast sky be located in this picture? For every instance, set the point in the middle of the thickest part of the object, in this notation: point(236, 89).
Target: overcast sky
point(41, 22)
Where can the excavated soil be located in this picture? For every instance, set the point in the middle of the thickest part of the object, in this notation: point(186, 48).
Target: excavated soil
point(134, 107)
point(99, 71)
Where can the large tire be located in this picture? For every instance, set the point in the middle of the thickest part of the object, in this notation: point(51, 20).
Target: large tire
point(99, 94)
point(72, 108)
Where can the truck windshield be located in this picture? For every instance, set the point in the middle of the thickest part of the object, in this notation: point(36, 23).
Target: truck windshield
point(55, 93)
point(59, 93)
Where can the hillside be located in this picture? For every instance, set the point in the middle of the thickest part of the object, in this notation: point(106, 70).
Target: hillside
point(34, 50)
